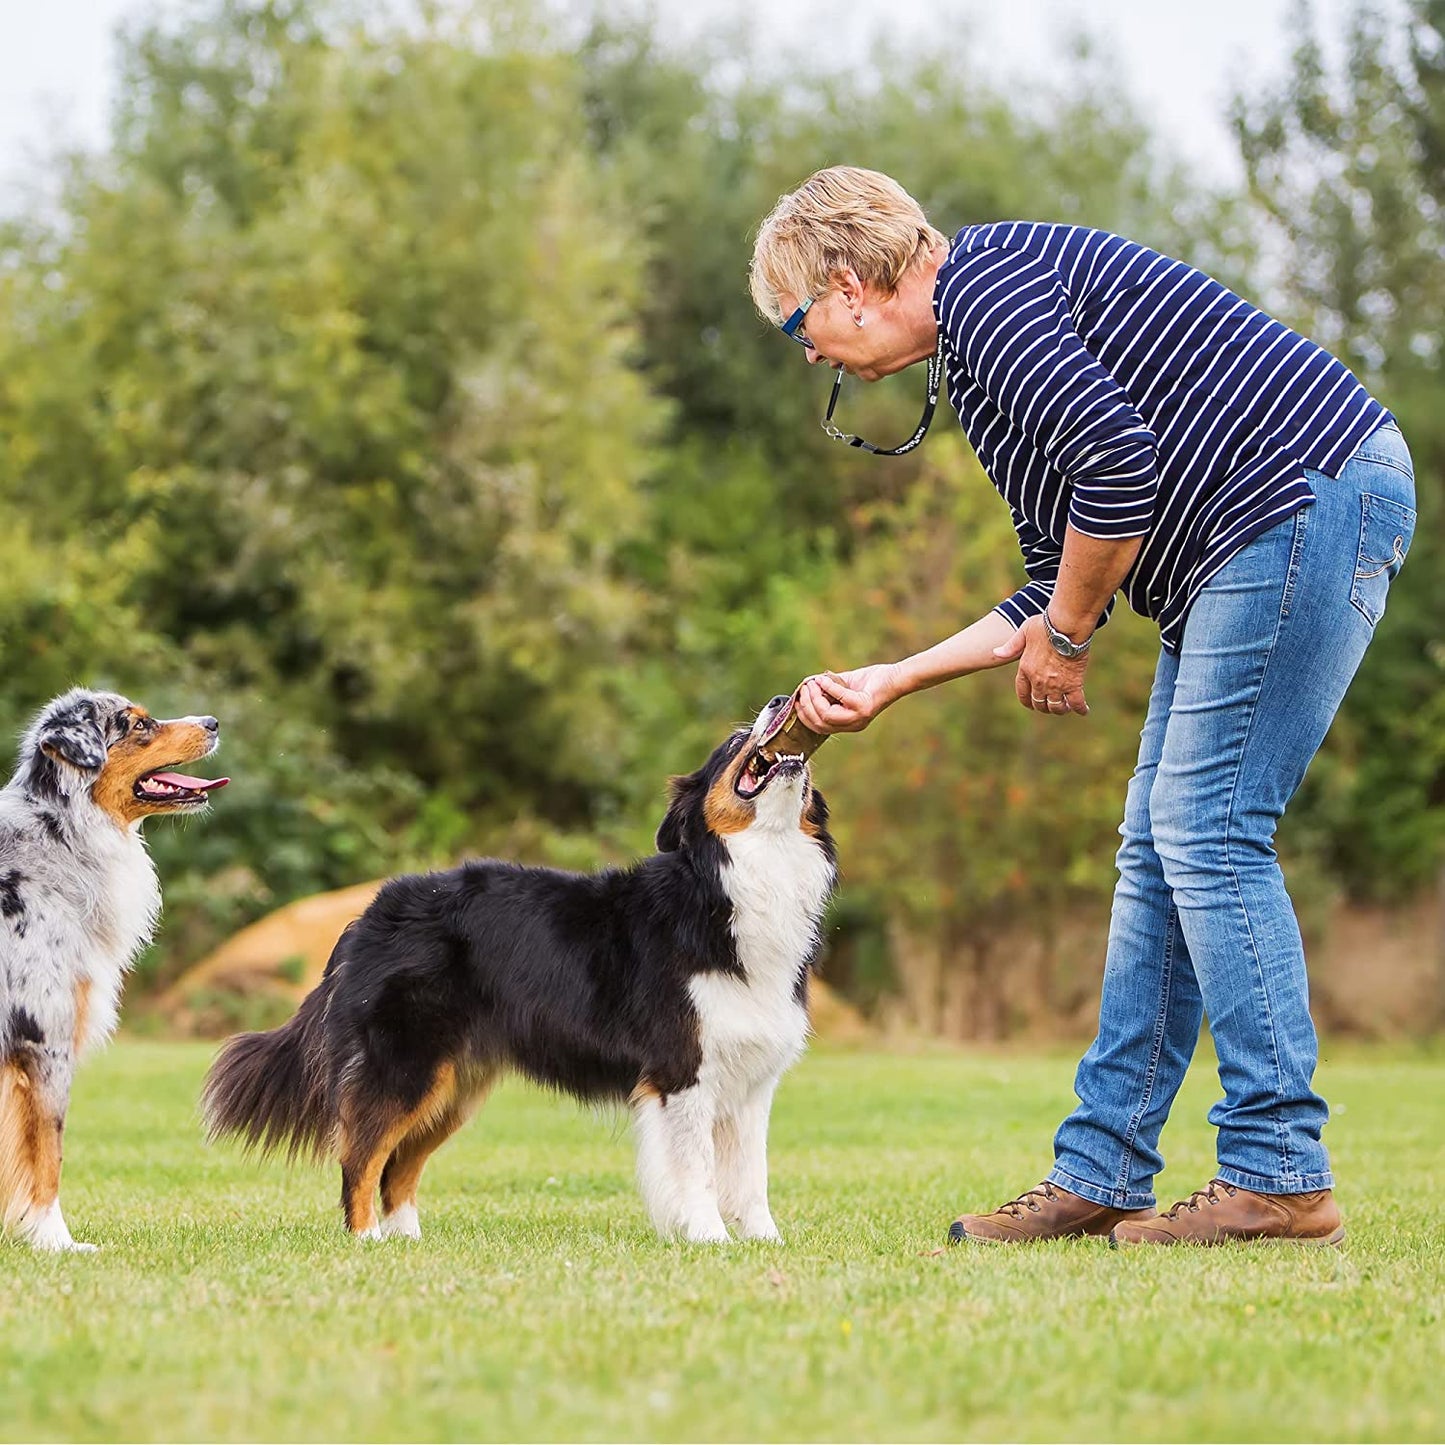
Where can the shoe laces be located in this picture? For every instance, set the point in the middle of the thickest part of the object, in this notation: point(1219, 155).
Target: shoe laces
point(1207, 1195)
point(1015, 1207)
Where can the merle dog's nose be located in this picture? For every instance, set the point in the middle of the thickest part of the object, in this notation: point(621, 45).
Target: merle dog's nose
point(778, 701)
point(211, 725)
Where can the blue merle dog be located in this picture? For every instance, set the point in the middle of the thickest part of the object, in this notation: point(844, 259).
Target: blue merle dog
point(78, 899)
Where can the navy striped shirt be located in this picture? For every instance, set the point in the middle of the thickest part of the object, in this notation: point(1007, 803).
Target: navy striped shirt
point(1110, 387)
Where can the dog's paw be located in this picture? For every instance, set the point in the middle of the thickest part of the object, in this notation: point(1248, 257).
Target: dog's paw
point(402, 1223)
point(49, 1234)
point(64, 1246)
point(373, 1233)
point(760, 1226)
point(706, 1229)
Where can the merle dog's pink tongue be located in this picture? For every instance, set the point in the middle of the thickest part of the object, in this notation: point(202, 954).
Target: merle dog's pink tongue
point(194, 785)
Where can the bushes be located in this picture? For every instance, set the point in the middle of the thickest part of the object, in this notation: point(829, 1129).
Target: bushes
point(394, 394)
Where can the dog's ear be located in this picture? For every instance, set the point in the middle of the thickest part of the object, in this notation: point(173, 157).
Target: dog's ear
point(684, 813)
point(75, 737)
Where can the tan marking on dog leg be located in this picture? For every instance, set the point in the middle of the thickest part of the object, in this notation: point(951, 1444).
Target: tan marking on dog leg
point(49, 1128)
point(365, 1152)
point(30, 1149)
point(402, 1174)
point(82, 1015)
point(17, 1157)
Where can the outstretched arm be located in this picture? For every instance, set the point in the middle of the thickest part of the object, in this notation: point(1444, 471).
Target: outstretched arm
point(846, 702)
point(1091, 571)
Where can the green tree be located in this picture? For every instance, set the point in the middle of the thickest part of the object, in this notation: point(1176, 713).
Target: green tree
point(1347, 170)
point(393, 391)
point(339, 363)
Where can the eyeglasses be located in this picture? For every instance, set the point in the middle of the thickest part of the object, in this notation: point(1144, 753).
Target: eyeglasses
point(789, 328)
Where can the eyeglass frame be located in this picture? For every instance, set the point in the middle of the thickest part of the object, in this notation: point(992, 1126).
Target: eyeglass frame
point(789, 328)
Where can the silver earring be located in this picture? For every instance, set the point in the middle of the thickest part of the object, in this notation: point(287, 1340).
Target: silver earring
point(857, 321)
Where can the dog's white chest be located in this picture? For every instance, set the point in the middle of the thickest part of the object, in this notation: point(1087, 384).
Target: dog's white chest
point(752, 1028)
point(129, 897)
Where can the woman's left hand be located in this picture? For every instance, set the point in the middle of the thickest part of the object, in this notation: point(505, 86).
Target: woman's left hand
point(1046, 682)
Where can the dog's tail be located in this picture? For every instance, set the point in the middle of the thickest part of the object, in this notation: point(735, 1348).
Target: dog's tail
point(274, 1090)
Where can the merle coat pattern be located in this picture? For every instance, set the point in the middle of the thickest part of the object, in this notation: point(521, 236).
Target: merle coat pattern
point(78, 899)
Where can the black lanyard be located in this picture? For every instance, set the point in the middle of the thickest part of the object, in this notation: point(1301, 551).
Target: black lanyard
point(935, 371)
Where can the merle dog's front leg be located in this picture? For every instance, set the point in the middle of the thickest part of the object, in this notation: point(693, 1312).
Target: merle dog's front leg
point(34, 1100)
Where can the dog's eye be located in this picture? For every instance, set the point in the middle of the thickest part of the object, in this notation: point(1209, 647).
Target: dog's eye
point(140, 724)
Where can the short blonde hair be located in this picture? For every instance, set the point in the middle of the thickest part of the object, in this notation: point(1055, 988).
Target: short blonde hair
point(840, 217)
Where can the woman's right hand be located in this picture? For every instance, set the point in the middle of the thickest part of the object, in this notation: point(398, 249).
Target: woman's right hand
point(846, 702)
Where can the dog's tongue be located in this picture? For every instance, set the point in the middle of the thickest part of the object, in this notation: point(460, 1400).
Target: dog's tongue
point(193, 785)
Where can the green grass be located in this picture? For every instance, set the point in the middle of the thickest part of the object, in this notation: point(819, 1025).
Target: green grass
point(227, 1303)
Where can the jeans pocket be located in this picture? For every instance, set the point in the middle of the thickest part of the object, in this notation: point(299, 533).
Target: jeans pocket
point(1386, 529)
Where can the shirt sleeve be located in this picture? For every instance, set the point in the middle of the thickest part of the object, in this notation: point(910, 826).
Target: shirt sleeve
point(1042, 556)
point(1006, 318)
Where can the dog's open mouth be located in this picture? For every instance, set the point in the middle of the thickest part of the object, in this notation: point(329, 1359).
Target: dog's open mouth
point(785, 746)
point(176, 789)
point(761, 769)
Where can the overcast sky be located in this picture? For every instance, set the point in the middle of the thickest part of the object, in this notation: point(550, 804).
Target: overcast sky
point(1180, 58)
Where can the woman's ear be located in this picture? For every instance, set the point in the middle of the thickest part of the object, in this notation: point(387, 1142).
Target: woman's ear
point(847, 284)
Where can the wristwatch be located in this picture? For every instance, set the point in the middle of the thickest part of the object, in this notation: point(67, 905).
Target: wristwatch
point(1063, 644)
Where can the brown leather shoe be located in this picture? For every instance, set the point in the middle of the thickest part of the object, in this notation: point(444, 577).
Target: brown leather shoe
point(1223, 1212)
point(1047, 1212)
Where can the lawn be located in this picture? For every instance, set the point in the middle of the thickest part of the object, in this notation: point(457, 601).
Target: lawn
point(228, 1304)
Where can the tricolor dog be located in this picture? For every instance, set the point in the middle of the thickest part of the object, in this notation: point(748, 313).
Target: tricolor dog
point(78, 899)
point(677, 985)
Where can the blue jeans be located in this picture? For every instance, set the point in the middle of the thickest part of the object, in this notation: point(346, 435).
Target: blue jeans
point(1202, 924)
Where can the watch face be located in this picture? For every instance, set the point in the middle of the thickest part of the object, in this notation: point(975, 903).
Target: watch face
point(1062, 643)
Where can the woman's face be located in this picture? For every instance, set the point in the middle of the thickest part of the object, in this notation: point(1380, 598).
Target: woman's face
point(867, 352)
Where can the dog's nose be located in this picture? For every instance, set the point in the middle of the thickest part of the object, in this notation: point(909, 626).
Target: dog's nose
point(778, 701)
point(211, 725)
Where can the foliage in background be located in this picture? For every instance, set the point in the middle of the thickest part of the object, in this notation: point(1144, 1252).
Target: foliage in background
point(1349, 170)
point(393, 392)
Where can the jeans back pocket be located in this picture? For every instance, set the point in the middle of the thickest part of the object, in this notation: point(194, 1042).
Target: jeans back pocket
point(1386, 529)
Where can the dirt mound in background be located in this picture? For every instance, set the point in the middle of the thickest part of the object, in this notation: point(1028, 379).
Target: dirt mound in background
point(258, 976)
